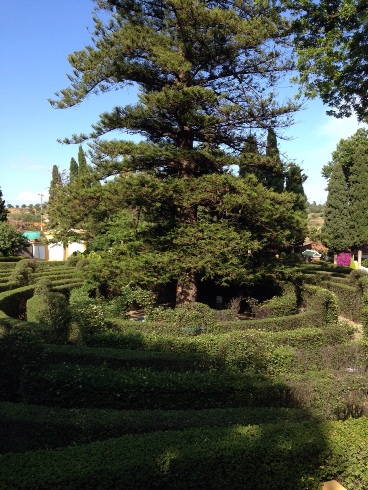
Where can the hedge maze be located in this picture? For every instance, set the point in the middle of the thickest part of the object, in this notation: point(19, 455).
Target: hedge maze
point(186, 399)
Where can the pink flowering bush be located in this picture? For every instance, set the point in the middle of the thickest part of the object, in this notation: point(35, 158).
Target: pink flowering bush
point(343, 259)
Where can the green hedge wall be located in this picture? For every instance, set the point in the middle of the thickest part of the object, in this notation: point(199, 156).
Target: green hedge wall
point(51, 427)
point(323, 301)
point(278, 456)
point(122, 358)
point(291, 322)
point(249, 351)
point(13, 302)
point(350, 300)
point(69, 385)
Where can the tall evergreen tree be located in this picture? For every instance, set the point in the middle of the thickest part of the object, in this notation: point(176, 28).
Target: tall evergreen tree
point(250, 157)
point(274, 175)
point(294, 180)
point(351, 155)
point(3, 210)
point(55, 186)
point(82, 162)
point(336, 230)
point(73, 170)
point(56, 181)
point(206, 73)
point(358, 193)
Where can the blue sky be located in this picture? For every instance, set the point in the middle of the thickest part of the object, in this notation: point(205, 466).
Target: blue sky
point(35, 40)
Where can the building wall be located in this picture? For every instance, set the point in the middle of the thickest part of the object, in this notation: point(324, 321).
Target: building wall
point(55, 251)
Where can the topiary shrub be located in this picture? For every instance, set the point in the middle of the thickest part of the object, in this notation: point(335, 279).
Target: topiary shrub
point(194, 318)
point(82, 263)
point(73, 259)
point(49, 309)
point(87, 313)
point(357, 274)
point(191, 318)
point(22, 272)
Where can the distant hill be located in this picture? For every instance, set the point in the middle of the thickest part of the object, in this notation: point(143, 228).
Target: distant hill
point(25, 218)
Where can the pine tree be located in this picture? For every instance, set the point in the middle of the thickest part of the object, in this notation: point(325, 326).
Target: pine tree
point(206, 73)
point(73, 170)
point(336, 230)
point(3, 210)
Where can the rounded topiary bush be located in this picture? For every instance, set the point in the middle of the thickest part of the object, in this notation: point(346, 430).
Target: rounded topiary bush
point(49, 309)
point(194, 317)
point(73, 260)
point(87, 313)
point(22, 272)
point(357, 274)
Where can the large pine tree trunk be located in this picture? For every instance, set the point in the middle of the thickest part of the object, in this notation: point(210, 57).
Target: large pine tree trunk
point(186, 289)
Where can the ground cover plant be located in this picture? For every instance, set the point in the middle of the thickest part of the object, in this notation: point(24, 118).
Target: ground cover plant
point(182, 403)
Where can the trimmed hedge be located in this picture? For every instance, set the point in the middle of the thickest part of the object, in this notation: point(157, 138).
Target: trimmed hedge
point(291, 322)
point(323, 301)
point(9, 261)
point(248, 351)
point(52, 427)
point(11, 300)
point(277, 456)
point(122, 358)
point(101, 387)
point(350, 299)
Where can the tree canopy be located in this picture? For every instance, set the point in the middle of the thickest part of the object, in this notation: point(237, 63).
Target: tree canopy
point(10, 239)
point(207, 75)
point(331, 40)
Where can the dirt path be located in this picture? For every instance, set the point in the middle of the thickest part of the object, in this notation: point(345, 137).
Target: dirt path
point(358, 327)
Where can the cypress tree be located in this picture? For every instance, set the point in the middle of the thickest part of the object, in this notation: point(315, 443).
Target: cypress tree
point(3, 210)
point(336, 230)
point(82, 162)
point(73, 170)
point(54, 189)
point(250, 157)
point(274, 174)
point(294, 180)
point(294, 183)
point(358, 185)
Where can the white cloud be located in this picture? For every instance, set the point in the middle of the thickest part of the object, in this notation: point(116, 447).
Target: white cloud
point(340, 128)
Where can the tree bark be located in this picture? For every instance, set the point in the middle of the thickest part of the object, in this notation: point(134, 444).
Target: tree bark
point(186, 289)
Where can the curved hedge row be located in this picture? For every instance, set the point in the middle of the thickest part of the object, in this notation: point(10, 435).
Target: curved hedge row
point(52, 427)
point(278, 456)
point(69, 385)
